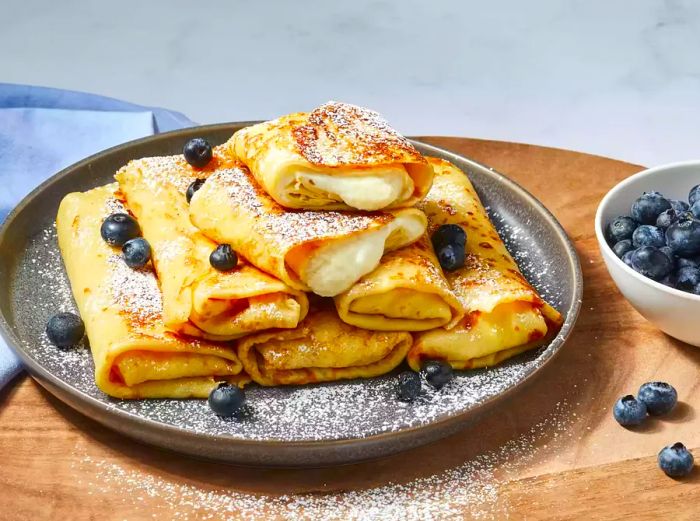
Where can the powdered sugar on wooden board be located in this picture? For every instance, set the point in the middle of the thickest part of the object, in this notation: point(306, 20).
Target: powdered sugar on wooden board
point(471, 489)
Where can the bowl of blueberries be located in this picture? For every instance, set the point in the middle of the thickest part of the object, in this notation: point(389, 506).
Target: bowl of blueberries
point(648, 230)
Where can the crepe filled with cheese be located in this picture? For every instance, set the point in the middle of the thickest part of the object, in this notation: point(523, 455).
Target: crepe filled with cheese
point(407, 292)
point(198, 300)
point(323, 348)
point(324, 252)
point(337, 157)
point(504, 314)
point(135, 355)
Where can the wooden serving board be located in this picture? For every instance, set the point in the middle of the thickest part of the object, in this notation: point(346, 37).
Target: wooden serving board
point(566, 457)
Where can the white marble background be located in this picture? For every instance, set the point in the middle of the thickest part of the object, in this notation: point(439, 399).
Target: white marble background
point(617, 77)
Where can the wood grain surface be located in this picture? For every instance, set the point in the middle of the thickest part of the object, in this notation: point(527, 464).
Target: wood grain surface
point(552, 452)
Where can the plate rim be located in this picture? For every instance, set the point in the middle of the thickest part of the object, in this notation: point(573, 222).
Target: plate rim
point(445, 422)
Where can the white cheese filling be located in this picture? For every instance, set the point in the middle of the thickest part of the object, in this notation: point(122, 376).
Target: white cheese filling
point(383, 187)
point(337, 266)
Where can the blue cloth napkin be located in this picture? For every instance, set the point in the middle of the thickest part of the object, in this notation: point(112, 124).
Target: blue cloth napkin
point(43, 130)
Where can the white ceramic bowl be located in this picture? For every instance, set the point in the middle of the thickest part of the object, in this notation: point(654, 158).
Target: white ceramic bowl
point(673, 311)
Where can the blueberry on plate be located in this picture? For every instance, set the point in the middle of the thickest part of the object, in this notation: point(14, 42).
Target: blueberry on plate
point(659, 397)
point(119, 228)
point(198, 152)
point(622, 247)
point(620, 229)
point(137, 252)
point(679, 206)
point(437, 373)
point(223, 258)
point(408, 386)
point(648, 207)
point(687, 278)
point(647, 235)
point(676, 461)
point(627, 258)
point(65, 329)
point(629, 411)
point(194, 186)
point(684, 238)
point(694, 195)
point(651, 262)
point(226, 400)
point(666, 218)
point(451, 257)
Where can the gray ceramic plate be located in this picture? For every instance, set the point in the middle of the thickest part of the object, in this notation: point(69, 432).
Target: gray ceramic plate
point(307, 426)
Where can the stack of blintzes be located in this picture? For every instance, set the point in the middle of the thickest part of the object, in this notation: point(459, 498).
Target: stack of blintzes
point(326, 224)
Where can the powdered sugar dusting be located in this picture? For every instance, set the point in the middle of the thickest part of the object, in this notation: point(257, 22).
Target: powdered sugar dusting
point(135, 291)
point(474, 488)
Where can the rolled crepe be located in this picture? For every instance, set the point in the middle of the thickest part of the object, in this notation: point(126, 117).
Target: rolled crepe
point(322, 348)
point(323, 252)
point(504, 314)
point(198, 300)
point(135, 356)
point(407, 292)
point(337, 157)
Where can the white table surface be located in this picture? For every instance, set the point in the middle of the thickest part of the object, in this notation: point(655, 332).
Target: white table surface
point(619, 78)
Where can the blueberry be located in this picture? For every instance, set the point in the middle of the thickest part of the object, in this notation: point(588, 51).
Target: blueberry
point(627, 258)
point(695, 209)
point(679, 206)
point(437, 373)
point(408, 386)
point(119, 228)
point(137, 252)
point(694, 195)
point(647, 235)
point(648, 207)
point(651, 262)
point(65, 329)
point(666, 250)
point(622, 247)
point(686, 216)
point(223, 258)
point(198, 152)
point(620, 229)
point(448, 234)
point(666, 218)
point(676, 461)
point(194, 186)
point(629, 411)
point(687, 278)
point(683, 262)
point(659, 397)
point(669, 280)
point(451, 257)
point(226, 400)
point(695, 290)
point(684, 238)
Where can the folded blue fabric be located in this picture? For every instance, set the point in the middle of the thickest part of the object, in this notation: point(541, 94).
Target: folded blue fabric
point(43, 130)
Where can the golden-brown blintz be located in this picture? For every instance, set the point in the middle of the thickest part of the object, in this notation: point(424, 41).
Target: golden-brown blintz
point(336, 157)
point(135, 355)
point(323, 348)
point(199, 300)
point(406, 292)
point(324, 252)
point(504, 314)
